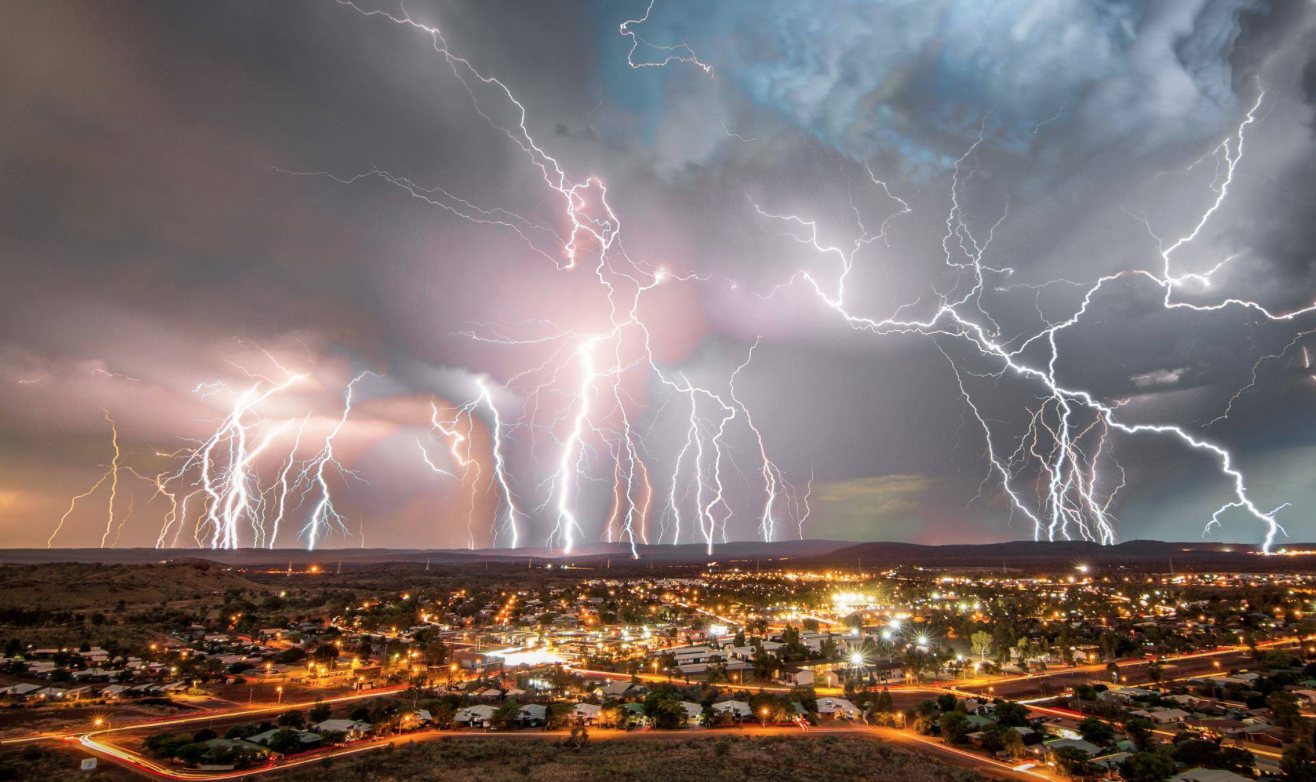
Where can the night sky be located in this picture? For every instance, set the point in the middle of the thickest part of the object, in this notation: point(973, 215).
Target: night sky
point(198, 199)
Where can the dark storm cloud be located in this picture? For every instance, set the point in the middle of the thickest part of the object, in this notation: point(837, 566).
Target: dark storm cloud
point(151, 238)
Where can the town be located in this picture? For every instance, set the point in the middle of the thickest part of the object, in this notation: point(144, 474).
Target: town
point(1090, 673)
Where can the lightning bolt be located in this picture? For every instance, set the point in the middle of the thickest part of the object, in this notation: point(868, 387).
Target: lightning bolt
point(325, 514)
point(1071, 479)
point(578, 401)
point(680, 52)
point(598, 417)
point(114, 475)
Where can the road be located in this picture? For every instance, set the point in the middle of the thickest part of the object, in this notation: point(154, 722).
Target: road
point(99, 743)
point(952, 755)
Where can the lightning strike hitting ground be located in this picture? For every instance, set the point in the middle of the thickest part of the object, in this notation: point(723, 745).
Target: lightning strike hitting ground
point(581, 401)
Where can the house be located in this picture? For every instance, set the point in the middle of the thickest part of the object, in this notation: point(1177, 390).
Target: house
point(20, 691)
point(635, 713)
point(1087, 747)
point(837, 708)
point(1208, 775)
point(738, 709)
point(694, 713)
point(687, 655)
point(1268, 735)
point(1306, 697)
point(826, 679)
point(1167, 716)
point(619, 689)
point(1216, 727)
point(1126, 695)
point(1111, 763)
point(474, 716)
point(307, 738)
point(351, 729)
point(469, 660)
point(417, 719)
point(532, 715)
point(795, 677)
point(887, 671)
point(114, 691)
point(587, 713)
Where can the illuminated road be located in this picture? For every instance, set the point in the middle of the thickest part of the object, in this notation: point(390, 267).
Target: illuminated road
point(951, 755)
point(96, 741)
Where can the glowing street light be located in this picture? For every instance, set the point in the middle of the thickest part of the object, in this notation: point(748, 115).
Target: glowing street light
point(279, 690)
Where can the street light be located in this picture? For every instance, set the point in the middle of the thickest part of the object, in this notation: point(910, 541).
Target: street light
point(764, 712)
point(279, 690)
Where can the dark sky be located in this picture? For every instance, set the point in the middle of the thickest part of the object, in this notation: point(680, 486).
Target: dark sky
point(200, 198)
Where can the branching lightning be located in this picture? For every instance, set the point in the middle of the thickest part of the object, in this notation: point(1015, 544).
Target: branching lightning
point(583, 400)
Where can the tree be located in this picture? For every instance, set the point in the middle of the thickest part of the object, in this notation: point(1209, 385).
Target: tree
point(285, 741)
point(294, 655)
point(1197, 752)
point(326, 653)
point(1139, 732)
point(436, 652)
point(981, 644)
point(1236, 759)
point(1096, 731)
point(666, 713)
point(506, 715)
point(443, 715)
point(164, 745)
point(1012, 744)
point(320, 712)
point(558, 715)
point(192, 754)
point(1284, 705)
point(1011, 715)
point(765, 663)
point(1299, 762)
point(1147, 767)
point(1073, 762)
point(292, 719)
point(954, 727)
point(946, 701)
point(579, 737)
point(241, 731)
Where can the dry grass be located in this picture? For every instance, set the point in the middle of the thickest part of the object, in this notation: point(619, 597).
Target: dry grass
point(73, 587)
point(704, 759)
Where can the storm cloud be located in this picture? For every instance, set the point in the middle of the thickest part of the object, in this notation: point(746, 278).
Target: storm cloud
point(154, 239)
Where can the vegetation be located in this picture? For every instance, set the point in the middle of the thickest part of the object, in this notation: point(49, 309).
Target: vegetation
point(729, 758)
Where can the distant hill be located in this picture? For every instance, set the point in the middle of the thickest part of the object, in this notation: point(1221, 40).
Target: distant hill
point(598, 552)
point(1013, 555)
point(1061, 555)
point(86, 586)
